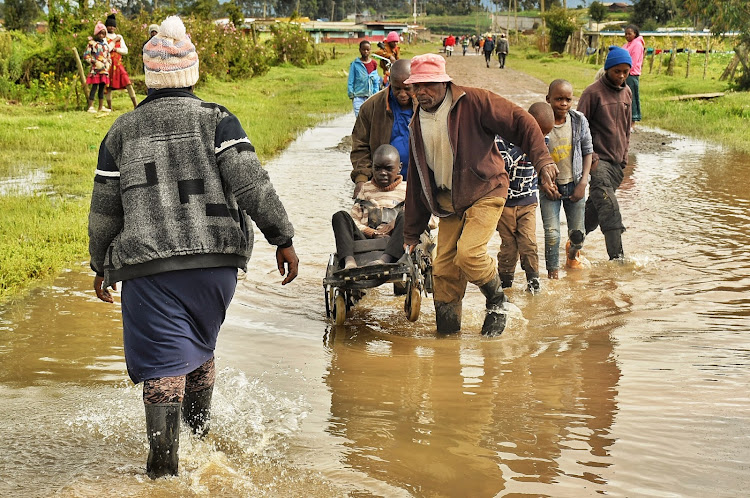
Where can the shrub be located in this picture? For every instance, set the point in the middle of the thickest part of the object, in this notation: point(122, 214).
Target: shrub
point(290, 43)
point(561, 25)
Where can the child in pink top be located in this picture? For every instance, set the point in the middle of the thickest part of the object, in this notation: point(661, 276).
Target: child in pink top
point(636, 47)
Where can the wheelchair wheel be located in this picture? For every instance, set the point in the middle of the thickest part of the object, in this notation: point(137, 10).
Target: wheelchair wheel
point(339, 309)
point(413, 303)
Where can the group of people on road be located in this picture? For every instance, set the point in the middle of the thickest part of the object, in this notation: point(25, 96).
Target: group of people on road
point(487, 177)
point(485, 44)
point(178, 185)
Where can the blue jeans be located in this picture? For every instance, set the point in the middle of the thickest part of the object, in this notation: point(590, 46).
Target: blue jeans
point(574, 214)
point(357, 103)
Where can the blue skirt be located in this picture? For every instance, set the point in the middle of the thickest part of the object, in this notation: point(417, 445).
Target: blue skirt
point(171, 320)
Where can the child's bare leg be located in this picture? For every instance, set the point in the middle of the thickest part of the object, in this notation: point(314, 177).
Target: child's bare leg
point(131, 92)
point(108, 93)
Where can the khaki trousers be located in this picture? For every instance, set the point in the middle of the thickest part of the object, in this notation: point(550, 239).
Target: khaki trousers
point(462, 249)
point(517, 229)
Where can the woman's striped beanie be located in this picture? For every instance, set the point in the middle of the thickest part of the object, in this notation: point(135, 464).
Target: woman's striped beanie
point(169, 58)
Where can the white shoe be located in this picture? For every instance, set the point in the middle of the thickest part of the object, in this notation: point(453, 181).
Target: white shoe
point(106, 109)
point(92, 110)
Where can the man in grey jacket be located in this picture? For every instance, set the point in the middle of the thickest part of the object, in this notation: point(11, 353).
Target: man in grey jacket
point(176, 186)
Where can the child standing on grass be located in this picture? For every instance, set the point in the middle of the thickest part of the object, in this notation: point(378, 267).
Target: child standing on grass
point(571, 147)
point(517, 225)
point(364, 80)
point(97, 55)
point(606, 104)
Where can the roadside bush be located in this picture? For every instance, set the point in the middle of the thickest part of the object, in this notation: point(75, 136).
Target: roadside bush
point(561, 25)
point(42, 67)
point(290, 43)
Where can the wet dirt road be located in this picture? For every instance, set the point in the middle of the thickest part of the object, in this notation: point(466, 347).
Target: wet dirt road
point(625, 380)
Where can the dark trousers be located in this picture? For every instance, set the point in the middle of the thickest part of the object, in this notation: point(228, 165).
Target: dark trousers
point(346, 232)
point(602, 208)
point(501, 59)
point(487, 57)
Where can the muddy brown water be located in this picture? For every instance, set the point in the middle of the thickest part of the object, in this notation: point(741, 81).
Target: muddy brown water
point(621, 379)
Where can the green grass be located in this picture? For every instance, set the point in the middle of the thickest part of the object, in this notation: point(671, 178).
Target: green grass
point(721, 120)
point(42, 233)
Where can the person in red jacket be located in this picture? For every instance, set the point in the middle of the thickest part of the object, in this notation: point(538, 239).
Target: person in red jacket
point(450, 43)
point(461, 178)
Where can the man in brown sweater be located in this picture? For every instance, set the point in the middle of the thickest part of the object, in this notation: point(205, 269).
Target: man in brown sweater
point(461, 178)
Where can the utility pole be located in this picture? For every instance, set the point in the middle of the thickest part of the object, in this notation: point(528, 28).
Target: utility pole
point(333, 7)
point(415, 11)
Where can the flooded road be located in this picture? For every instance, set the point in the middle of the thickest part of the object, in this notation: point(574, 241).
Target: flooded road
point(622, 379)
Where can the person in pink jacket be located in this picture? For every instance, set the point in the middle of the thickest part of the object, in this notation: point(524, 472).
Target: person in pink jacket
point(636, 47)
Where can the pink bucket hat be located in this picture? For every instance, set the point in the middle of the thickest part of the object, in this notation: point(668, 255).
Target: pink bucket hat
point(99, 27)
point(428, 68)
point(392, 36)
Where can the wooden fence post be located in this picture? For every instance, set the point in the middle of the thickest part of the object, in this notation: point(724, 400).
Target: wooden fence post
point(687, 70)
point(705, 62)
point(672, 58)
point(81, 73)
point(651, 62)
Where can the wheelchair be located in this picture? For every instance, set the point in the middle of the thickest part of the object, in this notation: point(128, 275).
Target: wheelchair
point(411, 276)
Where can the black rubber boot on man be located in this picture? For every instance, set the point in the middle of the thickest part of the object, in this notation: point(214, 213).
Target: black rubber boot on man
point(448, 317)
point(196, 410)
point(163, 431)
point(613, 240)
point(506, 280)
point(494, 321)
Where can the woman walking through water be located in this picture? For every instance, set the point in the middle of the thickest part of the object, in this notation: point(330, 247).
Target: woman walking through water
point(636, 47)
point(118, 76)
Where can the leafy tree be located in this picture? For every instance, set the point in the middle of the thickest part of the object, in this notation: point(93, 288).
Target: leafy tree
point(19, 14)
point(561, 25)
point(659, 11)
point(597, 11)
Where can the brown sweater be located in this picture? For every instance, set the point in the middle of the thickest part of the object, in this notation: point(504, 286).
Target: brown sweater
point(476, 116)
point(607, 107)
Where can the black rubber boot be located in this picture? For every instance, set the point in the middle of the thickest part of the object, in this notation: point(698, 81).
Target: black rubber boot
point(576, 243)
point(613, 240)
point(196, 410)
point(506, 280)
point(448, 317)
point(494, 321)
point(163, 431)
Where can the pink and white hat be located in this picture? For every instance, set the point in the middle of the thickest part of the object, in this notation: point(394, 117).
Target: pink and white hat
point(169, 58)
point(428, 68)
point(99, 27)
point(392, 36)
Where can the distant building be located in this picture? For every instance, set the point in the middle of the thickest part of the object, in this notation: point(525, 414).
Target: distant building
point(348, 32)
point(617, 6)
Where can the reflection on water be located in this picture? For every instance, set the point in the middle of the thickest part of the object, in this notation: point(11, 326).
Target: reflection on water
point(623, 379)
point(24, 185)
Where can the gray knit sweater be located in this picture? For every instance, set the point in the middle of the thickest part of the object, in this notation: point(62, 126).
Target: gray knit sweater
point(176, 185)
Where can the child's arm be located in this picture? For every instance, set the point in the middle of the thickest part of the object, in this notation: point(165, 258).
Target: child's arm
point(350, 81)
point(580, 191)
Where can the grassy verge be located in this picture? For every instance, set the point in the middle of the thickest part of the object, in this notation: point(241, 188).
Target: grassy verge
point(720, 120)
point(43, 232)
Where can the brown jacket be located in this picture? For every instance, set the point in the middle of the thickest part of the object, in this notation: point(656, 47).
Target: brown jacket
point(475, 117)
point(607, 107)
point(371, 130)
